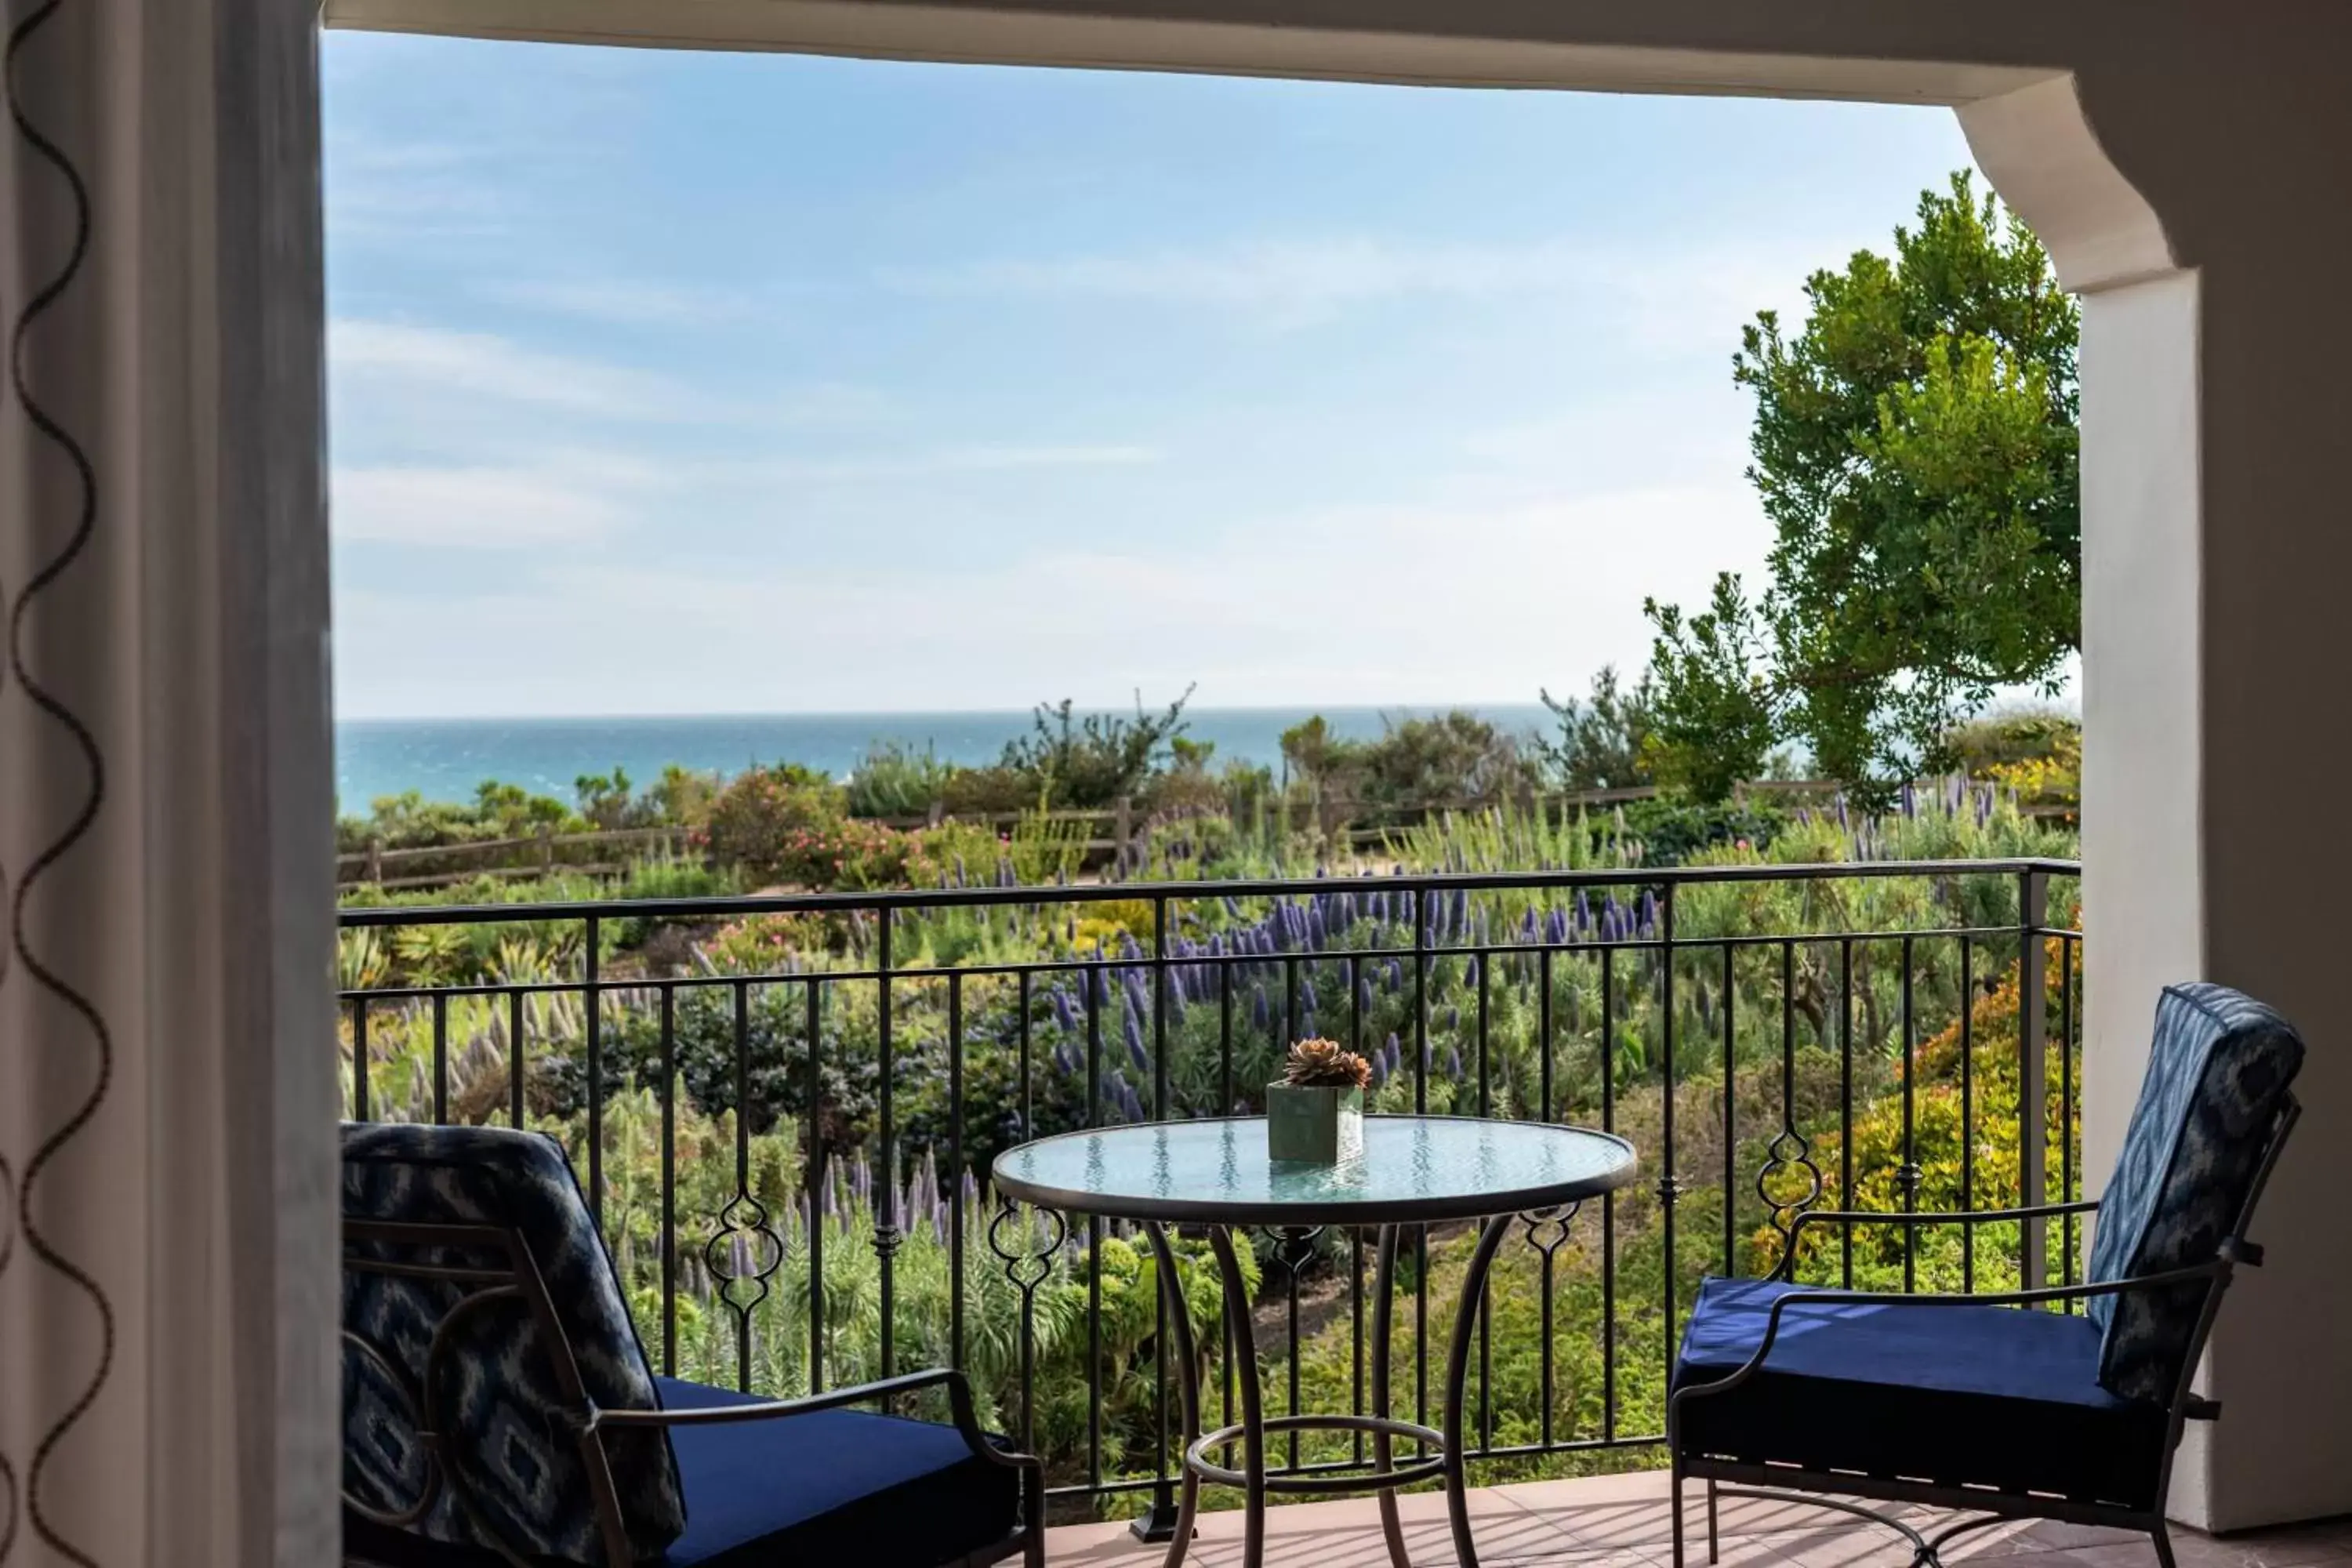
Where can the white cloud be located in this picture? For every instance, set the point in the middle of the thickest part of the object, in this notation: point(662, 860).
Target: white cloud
point(627, 302)
point(405, 191)
point(1378, 606)
point(557, 501)
point(987, 457)
point(442, 363)
point(1661, 296)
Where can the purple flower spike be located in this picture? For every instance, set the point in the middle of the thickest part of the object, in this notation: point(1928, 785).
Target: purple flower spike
point(1063, 1015)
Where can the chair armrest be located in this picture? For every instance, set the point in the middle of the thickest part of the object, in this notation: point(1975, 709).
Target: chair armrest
point(966, 1424)
point(1880, 1216)
point(1724, 1385)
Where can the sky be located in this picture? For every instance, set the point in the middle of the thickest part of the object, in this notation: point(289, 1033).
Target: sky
point(664, 381)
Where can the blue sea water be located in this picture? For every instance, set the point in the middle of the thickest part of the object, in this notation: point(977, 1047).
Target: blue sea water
point(445, 759)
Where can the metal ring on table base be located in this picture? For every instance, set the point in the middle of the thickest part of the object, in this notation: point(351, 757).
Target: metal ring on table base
point(1417, 1171)
point(1442, 1451)
point(1431, 1467)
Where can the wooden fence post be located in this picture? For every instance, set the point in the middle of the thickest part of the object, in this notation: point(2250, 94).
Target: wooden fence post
point(546, 847)
point(375, 860)
point(937, 814)
point(1122, 825)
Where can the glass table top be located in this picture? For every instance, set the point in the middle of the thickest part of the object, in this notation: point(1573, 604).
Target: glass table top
point(1412, 1168)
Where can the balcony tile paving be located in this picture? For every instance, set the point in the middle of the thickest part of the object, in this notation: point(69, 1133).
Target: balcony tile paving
point(1621, 1521)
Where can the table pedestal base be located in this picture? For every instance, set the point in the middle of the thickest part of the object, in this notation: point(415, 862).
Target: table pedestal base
point(1442, 1450)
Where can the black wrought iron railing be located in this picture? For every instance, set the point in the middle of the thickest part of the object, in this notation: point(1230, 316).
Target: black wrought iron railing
point(783, 1109)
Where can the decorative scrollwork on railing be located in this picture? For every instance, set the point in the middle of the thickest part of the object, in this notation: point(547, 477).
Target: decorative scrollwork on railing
point(745, 1250)
point(1547, 1229)
point(1910, 1176)
point(1026, 1241)
point(1788, 1150)
point(1027, 1266)
point(1294, 1247)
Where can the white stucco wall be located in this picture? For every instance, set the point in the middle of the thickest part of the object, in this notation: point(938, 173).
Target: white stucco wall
point(2196, 197)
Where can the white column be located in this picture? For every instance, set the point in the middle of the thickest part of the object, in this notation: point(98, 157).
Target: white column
point(167, 1295)
point(2216, 643)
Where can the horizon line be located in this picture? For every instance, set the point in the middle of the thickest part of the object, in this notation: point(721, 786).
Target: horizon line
point(1081, 708)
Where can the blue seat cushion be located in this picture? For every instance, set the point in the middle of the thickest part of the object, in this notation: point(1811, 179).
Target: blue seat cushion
point(832, 1486)
point(1954, 1395)
point(835, 1486)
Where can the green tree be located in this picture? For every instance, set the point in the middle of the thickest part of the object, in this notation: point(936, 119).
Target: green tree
point(1604, 741)
point(1067, 760)
point(1445, 759)
point(1916, 448)
point(1315, 755)
point(608, 800)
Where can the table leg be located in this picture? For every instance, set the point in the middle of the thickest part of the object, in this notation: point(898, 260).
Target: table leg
point(1383, 1316)
point(1458, 1376)
point(1237, 1316)
point(1171, 1288)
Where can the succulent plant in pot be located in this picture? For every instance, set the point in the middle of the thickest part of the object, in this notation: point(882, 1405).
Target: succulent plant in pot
point(1316, 1114)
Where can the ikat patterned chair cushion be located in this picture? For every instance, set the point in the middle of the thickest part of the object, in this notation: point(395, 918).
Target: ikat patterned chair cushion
point(517, 1461)
point(2216, 1076)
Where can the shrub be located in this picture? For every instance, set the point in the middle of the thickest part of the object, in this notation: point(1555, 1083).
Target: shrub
point(895, 780)
point(2036, 753)
point(1602, 741)
point(1672, 830)
point(1086, 763)
point(779, 825)
point(984, 791)
point(409, 821)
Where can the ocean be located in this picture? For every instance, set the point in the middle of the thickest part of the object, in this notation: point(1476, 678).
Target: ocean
point(445, 759)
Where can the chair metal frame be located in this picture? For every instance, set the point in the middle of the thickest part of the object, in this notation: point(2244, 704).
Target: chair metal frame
point(519, 1280)
point(1777, 1482)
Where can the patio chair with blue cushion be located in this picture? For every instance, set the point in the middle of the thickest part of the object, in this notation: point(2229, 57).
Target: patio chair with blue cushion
point(1991, 1404)
point(498, 1411)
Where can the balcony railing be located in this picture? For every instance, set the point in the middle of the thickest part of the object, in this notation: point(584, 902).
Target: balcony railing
point(783, 1109)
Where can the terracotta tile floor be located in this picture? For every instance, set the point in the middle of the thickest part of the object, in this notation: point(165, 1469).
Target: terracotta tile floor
point(1621, 1521)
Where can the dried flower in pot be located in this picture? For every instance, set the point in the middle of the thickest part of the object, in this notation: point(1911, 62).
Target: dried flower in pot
point(1316, 1114)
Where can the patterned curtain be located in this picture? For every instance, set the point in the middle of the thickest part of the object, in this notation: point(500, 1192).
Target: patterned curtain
point(167, 1243)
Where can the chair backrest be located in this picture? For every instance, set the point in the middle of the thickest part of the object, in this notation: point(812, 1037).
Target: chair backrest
point(504, 1390)
point(2197, 1146)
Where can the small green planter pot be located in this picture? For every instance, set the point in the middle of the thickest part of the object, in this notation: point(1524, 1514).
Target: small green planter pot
point(1315, 1126)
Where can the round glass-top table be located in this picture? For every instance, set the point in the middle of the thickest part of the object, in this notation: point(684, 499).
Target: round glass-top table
point(1414, 1170)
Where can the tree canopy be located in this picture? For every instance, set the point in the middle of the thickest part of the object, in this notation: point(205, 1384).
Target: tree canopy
point(1916, 449)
